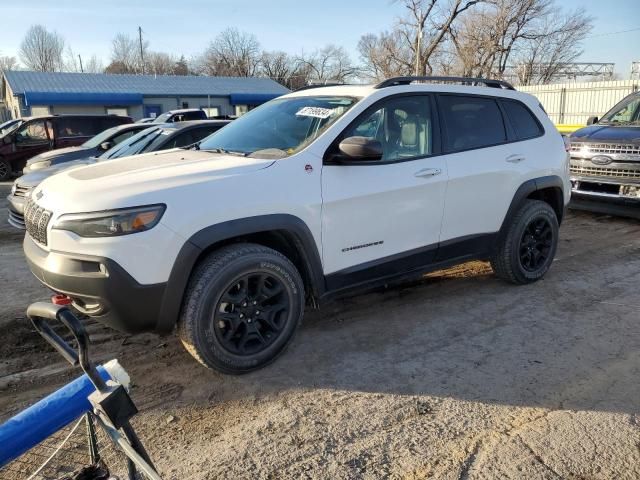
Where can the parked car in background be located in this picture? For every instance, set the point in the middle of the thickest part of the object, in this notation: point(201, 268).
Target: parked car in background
point(605, 161)
point(40, 134)
point(182, 115)
point(312, 195)
point(151, 139)
point(93, 147)
point(10, 125)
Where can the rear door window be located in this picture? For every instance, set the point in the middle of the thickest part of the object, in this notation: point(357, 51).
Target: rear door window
point(471, 122)
point(522, 120)
point(76, 127)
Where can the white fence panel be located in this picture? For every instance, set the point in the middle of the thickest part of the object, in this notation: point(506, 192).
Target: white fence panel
point(574, 103)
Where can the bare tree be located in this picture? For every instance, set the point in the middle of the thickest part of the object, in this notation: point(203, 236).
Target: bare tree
point(125, 55)
point(159, 63)
point(181, 67)
point(94, 65)
point(232, 53)
point(42, 50)
point(543, 57)
point(385, 55)
point(283, 68)
point(415, 39)
point(8, 63)
point(328, 63)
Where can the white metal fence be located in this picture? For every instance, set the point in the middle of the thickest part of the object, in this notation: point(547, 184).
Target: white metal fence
point(574, 103)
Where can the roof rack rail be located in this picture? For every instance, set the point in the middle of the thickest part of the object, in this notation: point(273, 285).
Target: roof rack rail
point(392, 82)
point(319, 85)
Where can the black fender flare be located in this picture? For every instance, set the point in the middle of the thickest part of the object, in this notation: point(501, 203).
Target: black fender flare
point(199, 242)
point(526, 189)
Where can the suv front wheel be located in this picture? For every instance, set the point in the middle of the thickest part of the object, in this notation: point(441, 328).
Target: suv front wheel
point(242, 307)
point(526, 251)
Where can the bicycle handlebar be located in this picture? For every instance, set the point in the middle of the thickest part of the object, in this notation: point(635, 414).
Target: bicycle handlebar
point(40, 312)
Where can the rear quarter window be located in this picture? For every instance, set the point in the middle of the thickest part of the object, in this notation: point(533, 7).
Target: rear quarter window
point(471, 122)
point(76, 127)
point(524, 123)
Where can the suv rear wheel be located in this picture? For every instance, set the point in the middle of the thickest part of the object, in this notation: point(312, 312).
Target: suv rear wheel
point(242, 307)
point(529, 246)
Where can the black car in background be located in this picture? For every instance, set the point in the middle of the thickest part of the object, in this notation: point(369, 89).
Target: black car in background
point(91, 148)
point(36, 135)
point(153, 138)
point(605, 161)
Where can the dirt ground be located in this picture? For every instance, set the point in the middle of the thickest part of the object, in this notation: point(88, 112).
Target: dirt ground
point(458, 376)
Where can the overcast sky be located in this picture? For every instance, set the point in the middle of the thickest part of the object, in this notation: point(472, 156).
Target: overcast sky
point(187, 26)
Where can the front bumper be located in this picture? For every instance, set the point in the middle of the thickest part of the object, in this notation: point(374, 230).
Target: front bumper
point(99, 288)
point(16, 211)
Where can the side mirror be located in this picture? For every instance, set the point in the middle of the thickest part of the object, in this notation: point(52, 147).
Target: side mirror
point(6, 140)
point(592, 120)
point(361, 148)
point(104, 146)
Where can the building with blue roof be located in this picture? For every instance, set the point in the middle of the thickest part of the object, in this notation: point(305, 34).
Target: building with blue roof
point(28, 94)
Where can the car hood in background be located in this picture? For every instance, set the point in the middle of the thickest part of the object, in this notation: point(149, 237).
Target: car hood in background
point(68, 153)
point(34, 178)
point(608, 134)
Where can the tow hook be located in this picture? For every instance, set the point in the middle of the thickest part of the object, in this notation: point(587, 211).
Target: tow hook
point(61, 299)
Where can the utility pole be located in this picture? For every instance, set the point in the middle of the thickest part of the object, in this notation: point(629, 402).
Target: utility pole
point(80, 59)
point(141, 49)
point(418, 50)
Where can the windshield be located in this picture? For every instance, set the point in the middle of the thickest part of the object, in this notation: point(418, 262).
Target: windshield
point(280, 127)
point(9, 126)
point(93, 142)
point(145, 141)
point(162, 118)
point(626, 112)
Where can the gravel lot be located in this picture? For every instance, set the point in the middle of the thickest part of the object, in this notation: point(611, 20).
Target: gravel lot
point(457, 376)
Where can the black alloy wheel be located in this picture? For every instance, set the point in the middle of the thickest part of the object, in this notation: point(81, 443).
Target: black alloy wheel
point(536, 244)
point(251, 313)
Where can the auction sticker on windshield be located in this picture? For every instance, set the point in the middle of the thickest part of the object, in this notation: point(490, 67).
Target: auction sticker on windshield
point(317, 112)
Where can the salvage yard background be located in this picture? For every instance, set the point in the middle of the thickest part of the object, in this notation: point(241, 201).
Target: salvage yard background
point(457, 376)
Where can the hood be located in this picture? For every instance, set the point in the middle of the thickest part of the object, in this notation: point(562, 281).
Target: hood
point(608, 133)
point(68, 153)
point(139, 179)
point(34, 178)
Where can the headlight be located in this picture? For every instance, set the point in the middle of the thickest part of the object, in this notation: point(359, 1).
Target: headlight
point(13, 188)
point(111, 223)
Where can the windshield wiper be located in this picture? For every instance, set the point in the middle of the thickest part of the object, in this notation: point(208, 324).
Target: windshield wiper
point(229, 152)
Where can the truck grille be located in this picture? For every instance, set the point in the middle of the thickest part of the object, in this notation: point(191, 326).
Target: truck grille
point(606, 148)
point(36, 220)
point(21, 190)
point(605, 172)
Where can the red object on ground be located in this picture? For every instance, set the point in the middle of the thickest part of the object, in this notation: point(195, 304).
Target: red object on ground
point(60, 299)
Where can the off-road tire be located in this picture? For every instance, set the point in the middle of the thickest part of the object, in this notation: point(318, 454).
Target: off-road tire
point(506, 261)
point(207, 285)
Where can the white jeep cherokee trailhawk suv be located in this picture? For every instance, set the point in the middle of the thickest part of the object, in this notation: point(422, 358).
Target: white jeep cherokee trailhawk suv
point(317, 193)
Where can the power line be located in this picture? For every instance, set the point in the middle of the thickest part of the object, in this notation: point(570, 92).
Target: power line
point(613, 33)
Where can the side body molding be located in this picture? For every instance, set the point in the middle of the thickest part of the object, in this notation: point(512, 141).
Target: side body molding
point(292, 227)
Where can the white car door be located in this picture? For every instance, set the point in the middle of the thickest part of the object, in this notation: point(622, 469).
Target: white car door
point(485, 167)
point(383, 217)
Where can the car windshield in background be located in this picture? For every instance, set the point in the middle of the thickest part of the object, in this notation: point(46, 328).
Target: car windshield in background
point(626, 113)
point(9, 126)
point(162, 118)
point(280, 127)
point(100, 138)
point(144, 141)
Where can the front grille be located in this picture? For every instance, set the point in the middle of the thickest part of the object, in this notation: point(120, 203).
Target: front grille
point(36, 220)
point(606, 148)
point(21, 190)
point(605, 172)
point(16, 220)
